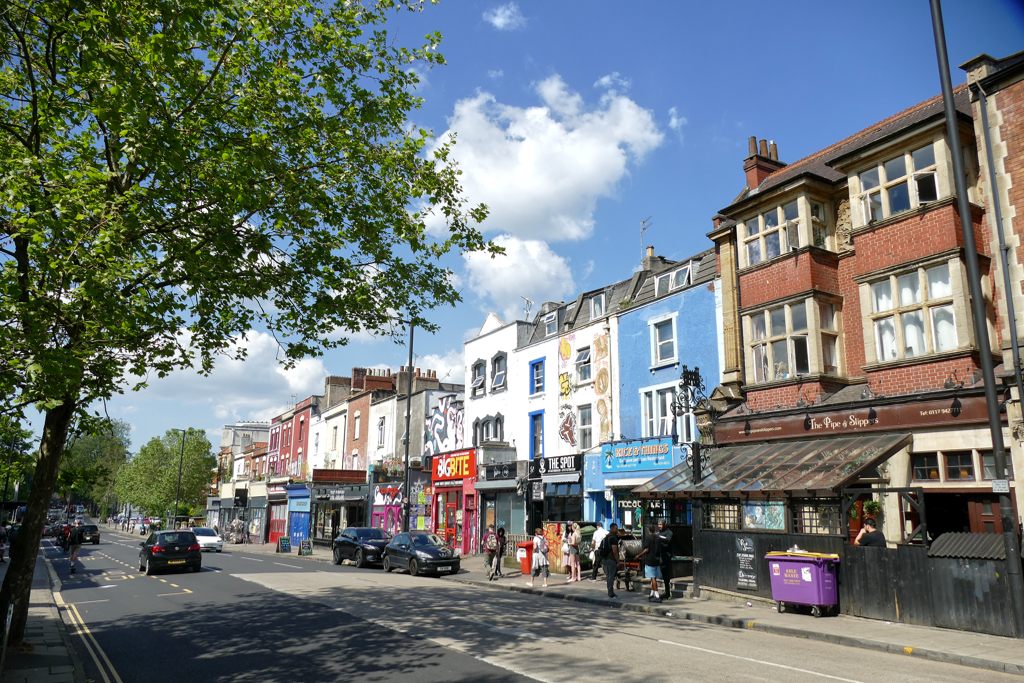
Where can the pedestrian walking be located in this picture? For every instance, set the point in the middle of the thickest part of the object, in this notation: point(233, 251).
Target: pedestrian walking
point(490, 547)
point(502, 546)
point(666, 557)
point(541, 564)
point(608, 553)
point(575, 538)
point(595, 542)
point(75, 542)
point(651, 555)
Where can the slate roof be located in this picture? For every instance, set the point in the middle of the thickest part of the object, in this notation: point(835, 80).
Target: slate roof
point(818, 164)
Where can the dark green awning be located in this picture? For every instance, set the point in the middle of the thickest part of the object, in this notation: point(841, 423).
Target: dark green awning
point(776, 467)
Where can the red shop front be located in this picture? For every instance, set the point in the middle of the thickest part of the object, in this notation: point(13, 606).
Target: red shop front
point(453, 476)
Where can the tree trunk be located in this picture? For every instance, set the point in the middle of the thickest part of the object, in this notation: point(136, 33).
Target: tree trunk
point(18, 580)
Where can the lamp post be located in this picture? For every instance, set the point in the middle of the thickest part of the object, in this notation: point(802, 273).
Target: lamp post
point(406, 502)
point(181, 462)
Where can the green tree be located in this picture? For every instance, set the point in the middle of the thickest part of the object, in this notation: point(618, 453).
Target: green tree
point(17, 457)
point(150, 479)
point(175, 173)
point(92, 461)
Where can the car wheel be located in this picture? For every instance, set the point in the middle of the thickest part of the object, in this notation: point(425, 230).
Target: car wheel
point(387, 564)
point(337, 555)
point(198, 568)
point(142, 564)
point(414, 568)
point(359, 559)
point(149, 568)
point(218, 550)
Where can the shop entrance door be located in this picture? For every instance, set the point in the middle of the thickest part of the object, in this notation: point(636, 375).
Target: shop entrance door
point(984, 512)
point(450, 526)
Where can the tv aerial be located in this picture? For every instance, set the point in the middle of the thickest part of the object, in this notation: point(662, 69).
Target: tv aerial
point(526, 310)
point(644, 225)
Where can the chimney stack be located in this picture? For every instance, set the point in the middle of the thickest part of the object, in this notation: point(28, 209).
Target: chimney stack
point(761, 163)
point(648, 259)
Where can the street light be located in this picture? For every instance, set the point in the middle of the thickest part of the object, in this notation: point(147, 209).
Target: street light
point(181, 462)
point(406, 502)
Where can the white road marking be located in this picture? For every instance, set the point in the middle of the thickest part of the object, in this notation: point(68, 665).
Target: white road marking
point(109, 585)
point(251, 559)
point(282, 564)
point(759, 661)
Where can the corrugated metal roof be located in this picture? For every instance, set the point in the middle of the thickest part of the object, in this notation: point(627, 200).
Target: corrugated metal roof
point(968, 546)
point(778, 466)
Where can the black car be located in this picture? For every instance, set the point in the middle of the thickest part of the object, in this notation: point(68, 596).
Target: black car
point(90, 534)
point(420, 553)
point(361, 545)
point(170, 549)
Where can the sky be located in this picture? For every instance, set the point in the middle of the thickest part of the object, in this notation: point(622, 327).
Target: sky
point(577, 121)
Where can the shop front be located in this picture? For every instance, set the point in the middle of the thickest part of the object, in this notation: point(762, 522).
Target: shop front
point(624, 465)
point(500, 504)
point(556, 489)
point(335, 508)
point(387, 507)
point(299, 506)
point(420, 501)
point(453, 479)
point(277, 506)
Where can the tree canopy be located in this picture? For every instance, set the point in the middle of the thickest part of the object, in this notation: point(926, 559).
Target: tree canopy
point(175, 173)
point(93, 460)
point(149, 480)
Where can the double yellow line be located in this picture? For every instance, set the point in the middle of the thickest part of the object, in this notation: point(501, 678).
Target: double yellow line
point(95, 651)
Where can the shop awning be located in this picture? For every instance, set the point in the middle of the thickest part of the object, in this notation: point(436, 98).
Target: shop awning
point(818, 465)
point(630, 482)
point(571, 478)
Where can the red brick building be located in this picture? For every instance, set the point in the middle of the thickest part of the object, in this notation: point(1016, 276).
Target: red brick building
point(846, 307)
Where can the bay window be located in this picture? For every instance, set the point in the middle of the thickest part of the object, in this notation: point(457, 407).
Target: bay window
point(899, 184)
point(772, 233)
point(779, 344)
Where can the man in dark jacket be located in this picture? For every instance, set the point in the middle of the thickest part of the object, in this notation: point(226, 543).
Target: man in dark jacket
point(666, 557)
point(75, 542)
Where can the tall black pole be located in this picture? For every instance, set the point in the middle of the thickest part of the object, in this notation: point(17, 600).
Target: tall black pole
point(7, 480)
point(181, 462)
point(406, 500)
point(1010, 541)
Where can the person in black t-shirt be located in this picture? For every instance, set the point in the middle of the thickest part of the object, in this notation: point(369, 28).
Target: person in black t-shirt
point(651, 555)
point(869, 536)
point(610, 558)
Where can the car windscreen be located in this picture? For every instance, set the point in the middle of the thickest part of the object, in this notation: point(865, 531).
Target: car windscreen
point(370, 534)
point(201, 531)
point(90, 528)
point(426, 540)
point(180, 538)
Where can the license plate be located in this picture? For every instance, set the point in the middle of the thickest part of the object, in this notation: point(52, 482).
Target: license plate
point(444, 569)
point(176, 562)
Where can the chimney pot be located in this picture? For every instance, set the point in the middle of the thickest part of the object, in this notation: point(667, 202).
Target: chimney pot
point(751, 145)
point(763, 148)
point(650, 251)
point(773, 151)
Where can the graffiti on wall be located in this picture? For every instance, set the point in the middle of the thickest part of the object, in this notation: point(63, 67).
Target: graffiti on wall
point(567, 427)
point(444, 426)
point(602, 386)
point(564, 386)
point(565, 349)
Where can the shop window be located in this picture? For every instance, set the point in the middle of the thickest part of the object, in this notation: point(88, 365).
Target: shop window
point(586, 428)
point(926, 467)
point(583, 365)
point(498, 372)
point(912, 314)
point(988, 465)
point(959, 466)
point(477, 384)
point(537, 377)
point(663, 340)
point(722, 516)
point(899, 184)
point(597, 306)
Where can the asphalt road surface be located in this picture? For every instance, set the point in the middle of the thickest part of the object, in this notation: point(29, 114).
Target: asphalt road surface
point(250, 617)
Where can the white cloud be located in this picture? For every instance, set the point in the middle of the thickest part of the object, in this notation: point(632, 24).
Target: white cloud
point(505, 17)
point(676, 122)
point(495, 74)
point(450, 367)
point(542, 169)
point(611, 80)
point(257, 388)
point(529, 268)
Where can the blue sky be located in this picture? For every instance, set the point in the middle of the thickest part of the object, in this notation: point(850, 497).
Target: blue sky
point(576, 121)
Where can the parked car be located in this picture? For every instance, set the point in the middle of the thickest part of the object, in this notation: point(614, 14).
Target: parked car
point(52, 530)
point(420, 553)
point(362, 545)
point(208, 538)
point(90, 534)
point(170, 549)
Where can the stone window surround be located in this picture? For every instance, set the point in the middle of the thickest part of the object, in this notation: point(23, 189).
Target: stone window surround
point(961, 315)
point(812, 231)
point(494, 372)
point(811, 299)
point(498, 425)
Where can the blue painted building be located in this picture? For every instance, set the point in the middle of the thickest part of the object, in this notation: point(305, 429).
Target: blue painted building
point(669, 318)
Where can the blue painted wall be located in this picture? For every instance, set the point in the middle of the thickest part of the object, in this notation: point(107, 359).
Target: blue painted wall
point(697, 339)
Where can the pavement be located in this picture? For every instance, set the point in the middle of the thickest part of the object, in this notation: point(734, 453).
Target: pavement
point(52, 658)
point(976, 650)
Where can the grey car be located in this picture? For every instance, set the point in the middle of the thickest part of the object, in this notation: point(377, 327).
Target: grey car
point(420, 553)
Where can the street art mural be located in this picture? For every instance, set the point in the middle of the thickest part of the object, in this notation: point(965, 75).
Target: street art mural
point(387, 508)
point(567, 427)
point(564, 386)
point(602, 387)
point(444, 425)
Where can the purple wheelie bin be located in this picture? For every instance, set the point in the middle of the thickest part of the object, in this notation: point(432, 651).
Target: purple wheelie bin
point(800, 578)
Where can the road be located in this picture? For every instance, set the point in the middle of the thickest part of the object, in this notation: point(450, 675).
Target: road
point(247, 618)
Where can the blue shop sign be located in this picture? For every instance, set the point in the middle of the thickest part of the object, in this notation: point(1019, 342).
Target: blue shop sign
point(641, 454)
point(298, 505)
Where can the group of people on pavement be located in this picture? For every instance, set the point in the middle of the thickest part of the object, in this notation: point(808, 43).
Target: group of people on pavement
point(494, 544)
point(656, 557)
point(71, 540)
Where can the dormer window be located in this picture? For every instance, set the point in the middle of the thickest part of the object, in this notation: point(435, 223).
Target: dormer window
point(900, 184)
point(597, 306)
point(681, 277)
point(772, 233)
point(662, 285)
point(550, 327)
point(477, 385)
